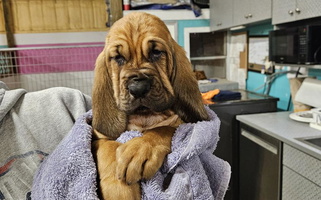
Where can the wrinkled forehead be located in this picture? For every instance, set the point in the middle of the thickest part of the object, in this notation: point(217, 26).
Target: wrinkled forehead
point(137, 30)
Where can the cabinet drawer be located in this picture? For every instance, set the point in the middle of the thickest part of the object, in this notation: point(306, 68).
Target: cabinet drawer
point(302, 163)
point(296, 187)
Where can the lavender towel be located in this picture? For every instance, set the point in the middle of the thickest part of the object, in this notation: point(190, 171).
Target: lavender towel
point(70, 173)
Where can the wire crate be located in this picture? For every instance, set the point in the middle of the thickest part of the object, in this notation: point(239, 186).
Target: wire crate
point(44, 67)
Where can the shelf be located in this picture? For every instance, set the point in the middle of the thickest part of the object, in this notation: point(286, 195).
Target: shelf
point(208, 58)
point(299, 65)
point(175, 14)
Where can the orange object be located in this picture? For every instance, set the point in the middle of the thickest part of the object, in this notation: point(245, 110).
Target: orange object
point(207, 96)
point(210, 94)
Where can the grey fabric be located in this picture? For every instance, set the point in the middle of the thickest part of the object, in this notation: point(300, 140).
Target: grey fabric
point(31, 126)
point(70, 171)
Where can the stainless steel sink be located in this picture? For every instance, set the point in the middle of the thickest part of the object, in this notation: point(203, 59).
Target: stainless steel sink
point(314, 142)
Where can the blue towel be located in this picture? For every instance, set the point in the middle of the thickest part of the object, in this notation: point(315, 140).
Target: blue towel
point(70, 172)
point(225, 95)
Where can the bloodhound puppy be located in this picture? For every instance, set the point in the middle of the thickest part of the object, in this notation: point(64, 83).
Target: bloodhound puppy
point(143, 81)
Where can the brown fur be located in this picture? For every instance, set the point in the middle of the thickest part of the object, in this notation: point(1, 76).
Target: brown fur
point(139, 45)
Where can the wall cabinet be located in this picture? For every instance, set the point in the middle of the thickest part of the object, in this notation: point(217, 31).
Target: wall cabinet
point(229, 13)
point(290, 10)
point(249, 11)
point(221, 13)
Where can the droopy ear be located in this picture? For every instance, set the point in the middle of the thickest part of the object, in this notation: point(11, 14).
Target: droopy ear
point(188, 105)
point(107, 118)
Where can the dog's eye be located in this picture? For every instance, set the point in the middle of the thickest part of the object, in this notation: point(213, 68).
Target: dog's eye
point(155, 54)
point(119, 59)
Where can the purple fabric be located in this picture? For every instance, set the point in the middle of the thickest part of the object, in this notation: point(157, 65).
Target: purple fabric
point(70, 173)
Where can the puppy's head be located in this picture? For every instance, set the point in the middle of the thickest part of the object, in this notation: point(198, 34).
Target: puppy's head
point(142, 70)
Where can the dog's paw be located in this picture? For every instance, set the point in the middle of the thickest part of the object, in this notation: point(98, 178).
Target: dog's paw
point(110, 187)
point(141, 157)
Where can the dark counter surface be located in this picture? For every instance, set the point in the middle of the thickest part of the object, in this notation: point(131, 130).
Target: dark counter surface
point(246, 97)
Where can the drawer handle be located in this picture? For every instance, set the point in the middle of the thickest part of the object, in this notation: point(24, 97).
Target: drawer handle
point(260, 142)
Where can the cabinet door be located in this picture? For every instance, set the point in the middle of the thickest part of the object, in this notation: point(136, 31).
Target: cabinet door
point(241, 12)
point(260, 10)
point(249, 11)
point(283, 11)
point(301, 175)
point(296, 186)
point(307, 9)
point(221, 14)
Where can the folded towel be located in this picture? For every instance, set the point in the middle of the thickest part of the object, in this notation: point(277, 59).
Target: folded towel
point(224, 95)
point(70, 172)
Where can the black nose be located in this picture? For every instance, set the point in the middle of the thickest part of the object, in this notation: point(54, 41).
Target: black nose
point(139, 87)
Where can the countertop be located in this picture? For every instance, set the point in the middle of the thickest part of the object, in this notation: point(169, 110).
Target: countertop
point(281, 127)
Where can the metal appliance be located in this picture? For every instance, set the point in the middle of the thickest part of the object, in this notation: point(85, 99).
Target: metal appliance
point(229, 145)
point(260, 165)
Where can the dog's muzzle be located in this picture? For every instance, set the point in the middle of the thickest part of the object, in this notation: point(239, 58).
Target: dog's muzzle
point(139, 87)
